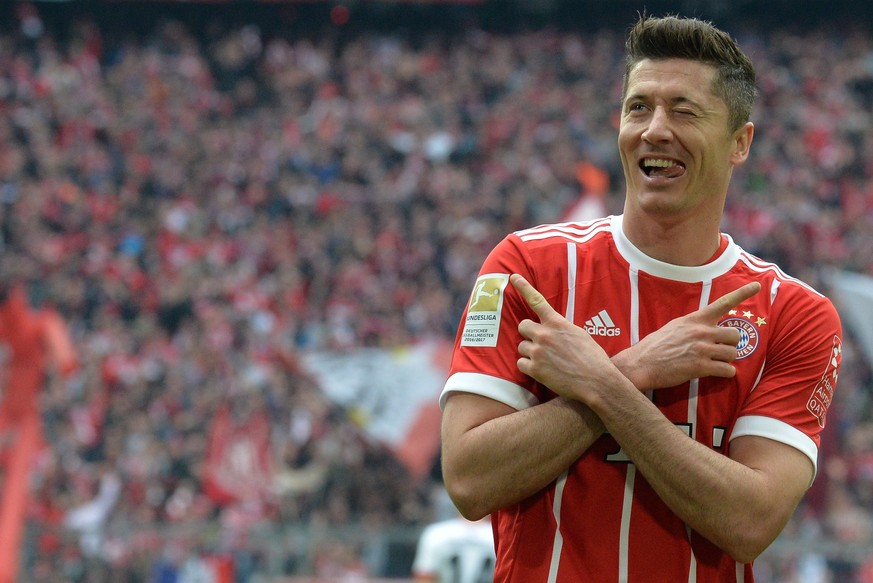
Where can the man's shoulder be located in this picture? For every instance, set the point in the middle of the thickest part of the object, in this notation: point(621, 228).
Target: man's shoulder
point(578, 232)
point(771, 273)
point(790, 294)
point(551, 240)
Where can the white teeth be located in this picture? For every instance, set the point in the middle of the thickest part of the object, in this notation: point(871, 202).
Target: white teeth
point(654, 162)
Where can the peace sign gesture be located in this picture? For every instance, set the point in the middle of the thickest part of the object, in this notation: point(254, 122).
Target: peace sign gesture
point(561, 355)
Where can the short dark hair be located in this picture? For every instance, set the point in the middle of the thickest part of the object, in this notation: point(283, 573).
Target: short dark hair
point(674, 37)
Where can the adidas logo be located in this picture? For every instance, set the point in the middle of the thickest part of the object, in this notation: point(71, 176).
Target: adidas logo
point(602, 325)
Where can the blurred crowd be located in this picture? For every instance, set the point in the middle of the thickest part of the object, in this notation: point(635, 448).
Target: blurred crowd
point(203, 207)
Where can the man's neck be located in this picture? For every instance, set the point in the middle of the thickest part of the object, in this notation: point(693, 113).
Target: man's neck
point(684, 243)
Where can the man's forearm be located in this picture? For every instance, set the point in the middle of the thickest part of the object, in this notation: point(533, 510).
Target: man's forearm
point(507, 459)
point(737, 508)
point(517, 455)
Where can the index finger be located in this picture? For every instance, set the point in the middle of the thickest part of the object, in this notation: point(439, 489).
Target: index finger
point(731, 300)
point(532, 296)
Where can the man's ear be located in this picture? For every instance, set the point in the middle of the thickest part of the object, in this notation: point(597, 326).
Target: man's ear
point(742, 143)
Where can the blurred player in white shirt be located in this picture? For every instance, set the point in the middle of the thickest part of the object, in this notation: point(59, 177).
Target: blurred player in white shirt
point(455, 551)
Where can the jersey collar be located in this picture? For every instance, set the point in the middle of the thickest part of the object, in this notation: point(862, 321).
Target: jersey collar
point(642, 262)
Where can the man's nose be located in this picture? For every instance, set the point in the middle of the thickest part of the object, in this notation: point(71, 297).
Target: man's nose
point(659, 128)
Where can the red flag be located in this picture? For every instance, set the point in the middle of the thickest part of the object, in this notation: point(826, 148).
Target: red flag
point(238, 459)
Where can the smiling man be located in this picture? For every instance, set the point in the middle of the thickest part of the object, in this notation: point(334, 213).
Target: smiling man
point(648, 401)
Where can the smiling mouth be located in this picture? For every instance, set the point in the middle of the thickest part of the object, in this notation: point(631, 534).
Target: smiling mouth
point(662, 168)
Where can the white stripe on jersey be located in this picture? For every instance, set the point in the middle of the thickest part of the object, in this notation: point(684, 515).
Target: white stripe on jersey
point(627, 504)
point(626, 507)
point(693, 388)
point(635, 306)
point(569, 313)
point(694, 384)
point(692, 567)
point(558, 543)
point(577, 232)
point(693, 391)
point(761, 266)
point(774, 289)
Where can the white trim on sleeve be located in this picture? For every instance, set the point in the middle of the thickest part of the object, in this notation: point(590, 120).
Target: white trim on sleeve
point(488, 386)
point(780, 431)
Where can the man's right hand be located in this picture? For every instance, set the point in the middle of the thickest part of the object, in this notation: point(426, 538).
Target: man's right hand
point(689, 347)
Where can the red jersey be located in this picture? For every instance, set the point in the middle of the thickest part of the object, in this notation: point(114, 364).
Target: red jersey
point(601, 522)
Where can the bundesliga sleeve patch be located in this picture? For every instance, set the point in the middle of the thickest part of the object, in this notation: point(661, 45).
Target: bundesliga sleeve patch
point(483, 314)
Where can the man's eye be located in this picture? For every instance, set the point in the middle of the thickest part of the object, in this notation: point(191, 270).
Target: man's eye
point(637, 107)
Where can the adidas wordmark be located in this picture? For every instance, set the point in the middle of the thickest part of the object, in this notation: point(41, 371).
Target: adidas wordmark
point(602, 325)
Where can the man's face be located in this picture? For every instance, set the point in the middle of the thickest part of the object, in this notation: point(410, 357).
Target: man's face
point(675, 142)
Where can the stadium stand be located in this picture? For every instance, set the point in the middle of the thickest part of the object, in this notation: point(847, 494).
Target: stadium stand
point(208, 201)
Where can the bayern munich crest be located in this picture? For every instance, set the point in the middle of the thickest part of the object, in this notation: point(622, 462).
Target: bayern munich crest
point(748, 335)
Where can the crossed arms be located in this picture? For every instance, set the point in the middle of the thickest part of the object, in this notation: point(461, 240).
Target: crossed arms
point(495, 456)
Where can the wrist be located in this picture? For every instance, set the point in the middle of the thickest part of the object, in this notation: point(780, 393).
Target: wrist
point(631, 369)
point(607, 389)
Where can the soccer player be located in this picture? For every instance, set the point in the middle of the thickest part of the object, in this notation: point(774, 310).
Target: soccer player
point(637, 398)
point(455, 551)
